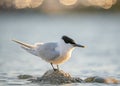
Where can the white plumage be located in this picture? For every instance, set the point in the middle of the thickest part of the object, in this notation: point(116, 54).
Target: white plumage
point(52, 52)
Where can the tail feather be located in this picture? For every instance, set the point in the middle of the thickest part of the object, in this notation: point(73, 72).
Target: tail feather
point(23, 44)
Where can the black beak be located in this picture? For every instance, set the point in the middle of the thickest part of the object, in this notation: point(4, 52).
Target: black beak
point(78, 45)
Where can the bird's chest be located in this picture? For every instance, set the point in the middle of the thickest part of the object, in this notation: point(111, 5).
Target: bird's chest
point(62, 58)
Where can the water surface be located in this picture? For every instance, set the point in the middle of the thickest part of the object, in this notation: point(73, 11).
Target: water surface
point(99, 32)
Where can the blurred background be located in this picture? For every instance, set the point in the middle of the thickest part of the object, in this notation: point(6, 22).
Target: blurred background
point(93, 23)
point(59, 5)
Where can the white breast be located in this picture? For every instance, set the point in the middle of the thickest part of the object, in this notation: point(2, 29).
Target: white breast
point(63, 57)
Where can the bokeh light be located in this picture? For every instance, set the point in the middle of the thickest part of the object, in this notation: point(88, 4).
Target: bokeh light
point(35, 3)
point(21, 3)
point(53, 4)
point(106, 4)
point(68, 2)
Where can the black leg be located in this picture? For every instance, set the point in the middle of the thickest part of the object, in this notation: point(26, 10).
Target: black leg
point(52, 66)
point(58, 67)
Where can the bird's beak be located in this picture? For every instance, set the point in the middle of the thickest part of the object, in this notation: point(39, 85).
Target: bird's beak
point(78, 45)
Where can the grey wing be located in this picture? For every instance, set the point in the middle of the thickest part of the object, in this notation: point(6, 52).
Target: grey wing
point(47, 51)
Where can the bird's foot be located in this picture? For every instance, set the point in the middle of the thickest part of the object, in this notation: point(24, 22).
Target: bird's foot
point(56, 69)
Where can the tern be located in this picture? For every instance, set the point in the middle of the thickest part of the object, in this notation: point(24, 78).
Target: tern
point(52, 52)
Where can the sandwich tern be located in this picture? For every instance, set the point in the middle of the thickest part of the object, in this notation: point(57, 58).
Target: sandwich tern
point(52, 52)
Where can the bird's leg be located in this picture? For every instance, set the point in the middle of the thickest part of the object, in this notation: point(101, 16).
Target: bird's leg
point(53, 67)
point(58, 67)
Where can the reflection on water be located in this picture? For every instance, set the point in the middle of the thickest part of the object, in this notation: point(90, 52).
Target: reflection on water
point(99, 32)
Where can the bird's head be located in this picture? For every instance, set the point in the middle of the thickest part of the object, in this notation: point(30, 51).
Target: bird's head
point(70, 41)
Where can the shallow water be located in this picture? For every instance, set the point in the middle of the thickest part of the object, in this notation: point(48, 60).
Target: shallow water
point(99, 32)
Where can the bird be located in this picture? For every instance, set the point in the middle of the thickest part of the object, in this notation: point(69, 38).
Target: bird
point(54, 53)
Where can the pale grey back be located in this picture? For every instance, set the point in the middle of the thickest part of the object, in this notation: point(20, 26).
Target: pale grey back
point(47, 51)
